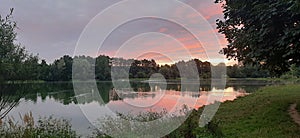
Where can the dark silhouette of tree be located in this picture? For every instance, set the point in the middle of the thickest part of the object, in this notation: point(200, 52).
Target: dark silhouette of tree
point(262, 32)
point(44, 70)
point(102, 68)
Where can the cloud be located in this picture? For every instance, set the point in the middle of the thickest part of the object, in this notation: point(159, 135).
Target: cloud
point(163, 30)
point(43, 25)
point(52, 27)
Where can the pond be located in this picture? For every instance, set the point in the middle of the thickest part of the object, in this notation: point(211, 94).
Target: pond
point(60, 101)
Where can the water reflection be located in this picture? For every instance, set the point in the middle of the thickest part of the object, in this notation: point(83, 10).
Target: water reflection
point(58, 99)
point(8, 100)
point(167, 99)
point(63, 92)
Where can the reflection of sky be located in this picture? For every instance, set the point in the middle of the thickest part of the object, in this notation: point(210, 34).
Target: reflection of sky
point(49, 106)
point(52, 27)
point(169, 99)
point(157, 101)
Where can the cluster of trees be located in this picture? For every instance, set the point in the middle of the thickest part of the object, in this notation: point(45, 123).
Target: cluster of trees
point(105, 66)
point(294, 72)
point(145, 68)
point(262, 32)
point(247, 71)
point(61, 69)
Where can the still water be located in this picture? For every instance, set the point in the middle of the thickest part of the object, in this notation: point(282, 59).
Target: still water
point(60, 101)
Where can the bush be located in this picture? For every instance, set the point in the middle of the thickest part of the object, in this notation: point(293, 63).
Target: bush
point(293, 73)
point(286, 76)
point(45, 128)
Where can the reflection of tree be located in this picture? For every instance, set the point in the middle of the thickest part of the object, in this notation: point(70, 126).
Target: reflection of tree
point(7, 101)
point(6, 104)
point(140, 87)
point(113, 95)
point(63, 92)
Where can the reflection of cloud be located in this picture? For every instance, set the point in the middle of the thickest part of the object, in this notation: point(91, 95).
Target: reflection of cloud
point(170, 98)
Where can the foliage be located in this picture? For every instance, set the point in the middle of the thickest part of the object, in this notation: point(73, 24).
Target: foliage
point(45, 127)
point(294, 72)
point(61, 69)
point(114, 124)
point(189, 128)
point(15, 62)
point(262, 32)
point(102, 68)
point(247, 71)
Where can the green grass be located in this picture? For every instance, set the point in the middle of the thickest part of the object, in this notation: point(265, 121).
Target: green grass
point(261, 114)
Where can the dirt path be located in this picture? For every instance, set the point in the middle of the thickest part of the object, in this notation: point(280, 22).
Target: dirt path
point(294, 113)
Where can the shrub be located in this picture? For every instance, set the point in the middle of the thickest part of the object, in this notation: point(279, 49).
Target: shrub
point(45, 127)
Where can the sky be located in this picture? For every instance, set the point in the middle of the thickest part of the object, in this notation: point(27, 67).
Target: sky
point(52, 28)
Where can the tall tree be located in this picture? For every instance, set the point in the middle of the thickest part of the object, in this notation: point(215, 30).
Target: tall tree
point(44, 70)
point(262, 32)
point(102, 68)
point(30, 69)
point(12, 55)
point(61, 69)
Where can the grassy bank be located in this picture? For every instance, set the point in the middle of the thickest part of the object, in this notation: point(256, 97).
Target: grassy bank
point(261, 114)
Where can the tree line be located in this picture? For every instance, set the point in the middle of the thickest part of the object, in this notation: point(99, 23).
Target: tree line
point(61, 69)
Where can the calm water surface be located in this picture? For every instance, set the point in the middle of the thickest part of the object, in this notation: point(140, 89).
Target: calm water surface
point(59, 100)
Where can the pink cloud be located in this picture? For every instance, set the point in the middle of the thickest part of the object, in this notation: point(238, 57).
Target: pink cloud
point(163, 30)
